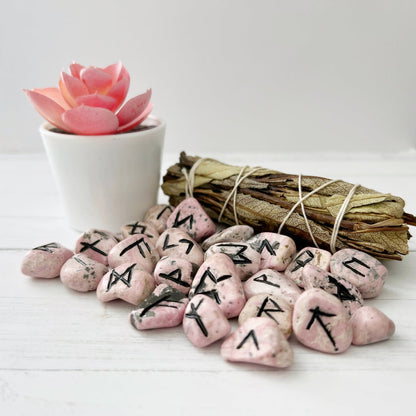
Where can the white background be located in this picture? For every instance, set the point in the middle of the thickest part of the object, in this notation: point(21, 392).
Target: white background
point(228, 75)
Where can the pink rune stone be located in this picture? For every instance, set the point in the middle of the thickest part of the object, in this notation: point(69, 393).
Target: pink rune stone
point(370, 325)
point(235, 233)
point(190, 217)
point(272, 283)
point(45, 261)
point(219, 279)
point(158, 215)
point(258, 341)
point(321, 322)
point(308, 255)
point(140, 227)
point(345, 291)
point(176, 243)
point(81, 273)
point(268, 306)
point(246, 260)
point(164, 308)
point(361, 269)
point(135, 249)
point(204, 322)
point(276, 250)
point(128, 282)
point(96, 244)
point(118, 236)
point(175, 272)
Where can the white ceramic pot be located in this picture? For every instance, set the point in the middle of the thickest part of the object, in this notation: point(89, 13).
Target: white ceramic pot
point(106, 181)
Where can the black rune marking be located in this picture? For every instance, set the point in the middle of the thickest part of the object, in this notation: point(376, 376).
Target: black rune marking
point(116, 277)
point(251, 335)
point(213, 279)
point(170, 276)
point(177, 223)
point(316, 315)
point(342, 292)
point(301, 263)
point(158, 302)
point(263, 279)
point(136, 228)
point(167, 294)
point(81, 262)
point(211, 293)
point(266, 244)
point(348, 263)
point(189, 242)
point(137, 244)
point(194, 315)
point(163, 210)
point(267, 311)
point(91, 246)
point(47, 247)
point(237, 257)
point(103, 234)
point(166, 243)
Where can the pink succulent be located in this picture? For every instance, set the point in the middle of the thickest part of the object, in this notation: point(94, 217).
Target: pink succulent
point(86, 101)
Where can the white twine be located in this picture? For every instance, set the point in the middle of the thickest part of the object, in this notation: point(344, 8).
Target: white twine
point(233, 193)
point(301, 201)
point(340, 216)
point(303, 211)
point(190, 178)
point(338, 219)
point(189, 191)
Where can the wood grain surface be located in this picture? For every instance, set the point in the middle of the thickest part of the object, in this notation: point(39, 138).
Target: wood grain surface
point(65, 353)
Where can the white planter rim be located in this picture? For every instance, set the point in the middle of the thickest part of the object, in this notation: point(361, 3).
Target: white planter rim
point(156, 122)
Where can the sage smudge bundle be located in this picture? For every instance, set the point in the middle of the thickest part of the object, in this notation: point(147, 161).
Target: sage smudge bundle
point(373, 222)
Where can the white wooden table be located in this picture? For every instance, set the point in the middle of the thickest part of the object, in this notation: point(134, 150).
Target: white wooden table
point(65, 353)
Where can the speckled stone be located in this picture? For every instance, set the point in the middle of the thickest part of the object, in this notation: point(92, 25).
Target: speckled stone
point(175, 272)
point(370, 325)
point(218, 278)
point(190, 217)
point(321, 322)
point(128, 282)
point(45, 261)
point(361, 269)
point(258, 341)
point(164, 308)
point(176, 243)
point(204, 322)
point(268, 306)
point(246, 260)
point(81, 273)
point(276, 250)
point(140, 227)
point(96, 244)
point(346, 292)
point(135, 249)
point(158, 215)
point(308, 255)
point(233, 234)
point(272, 283)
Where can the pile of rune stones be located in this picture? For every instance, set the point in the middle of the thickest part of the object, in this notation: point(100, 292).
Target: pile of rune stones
point(178, 267)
